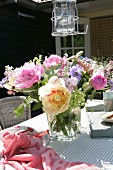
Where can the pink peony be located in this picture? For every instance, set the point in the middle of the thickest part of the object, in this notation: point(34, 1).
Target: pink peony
point(27, 75)
point(98, 81)
point(53, 60)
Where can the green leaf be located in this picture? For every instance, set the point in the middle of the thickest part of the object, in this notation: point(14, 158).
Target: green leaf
point(91, 96)
point(37, 106)
point(19, 110)
point(30, 100)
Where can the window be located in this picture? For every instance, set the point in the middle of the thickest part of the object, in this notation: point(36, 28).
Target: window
point(72, 44)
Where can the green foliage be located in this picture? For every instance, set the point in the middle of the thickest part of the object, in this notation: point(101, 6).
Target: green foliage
point(37, 106)
point(102, 60)
point(77, 99)
point(19, 110)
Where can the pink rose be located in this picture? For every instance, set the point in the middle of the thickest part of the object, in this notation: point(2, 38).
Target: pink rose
point(98, 81)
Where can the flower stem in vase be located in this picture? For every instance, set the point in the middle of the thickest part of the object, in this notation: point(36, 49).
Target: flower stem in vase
point(63, 126)
point(53, 135)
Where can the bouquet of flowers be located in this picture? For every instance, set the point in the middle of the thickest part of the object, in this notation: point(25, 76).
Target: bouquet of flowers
point(58, 85)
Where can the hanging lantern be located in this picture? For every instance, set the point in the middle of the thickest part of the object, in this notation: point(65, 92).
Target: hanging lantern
point(65, 18)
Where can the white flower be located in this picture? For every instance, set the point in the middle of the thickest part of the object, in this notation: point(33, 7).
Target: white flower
point(55, 96)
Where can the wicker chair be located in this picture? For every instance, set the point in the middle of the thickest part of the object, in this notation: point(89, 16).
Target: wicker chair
point(7, 116)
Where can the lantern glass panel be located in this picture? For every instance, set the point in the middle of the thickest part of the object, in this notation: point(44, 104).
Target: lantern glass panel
point(64, 13)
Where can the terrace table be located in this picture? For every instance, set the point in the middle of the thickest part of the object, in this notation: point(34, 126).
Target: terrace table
point(83, 148)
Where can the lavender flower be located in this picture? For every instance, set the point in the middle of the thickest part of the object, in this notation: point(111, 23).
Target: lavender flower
point(3, 81)
point(75, 71)
point(71, 83)
point(88, 60)
point(110, 82)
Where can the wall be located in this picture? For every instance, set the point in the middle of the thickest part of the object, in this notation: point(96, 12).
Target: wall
point(101, 36)
point(22, 38)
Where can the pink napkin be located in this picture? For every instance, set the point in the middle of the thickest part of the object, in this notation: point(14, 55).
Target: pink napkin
point(24, 150)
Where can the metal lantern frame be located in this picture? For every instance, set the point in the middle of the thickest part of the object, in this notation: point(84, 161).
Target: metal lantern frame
point(74, 20)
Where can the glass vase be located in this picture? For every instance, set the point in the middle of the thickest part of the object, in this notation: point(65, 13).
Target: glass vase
point(64, 126)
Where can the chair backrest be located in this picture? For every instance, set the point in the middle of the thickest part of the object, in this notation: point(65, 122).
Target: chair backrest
point(7, 115)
